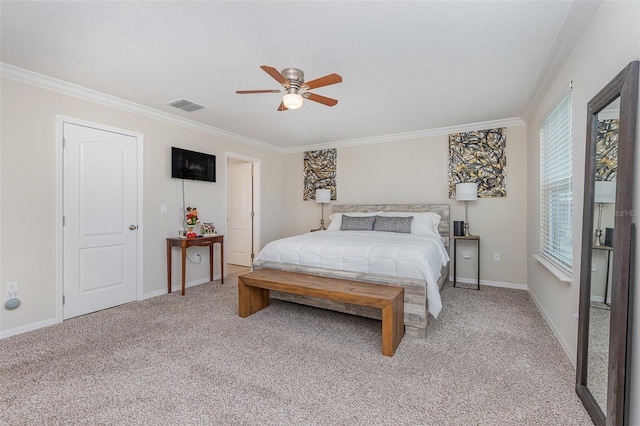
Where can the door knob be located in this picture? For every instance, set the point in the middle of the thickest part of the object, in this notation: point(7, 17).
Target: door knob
point(133, 227)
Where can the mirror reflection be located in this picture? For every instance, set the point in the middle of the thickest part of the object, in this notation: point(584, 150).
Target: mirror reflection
point(602, 257)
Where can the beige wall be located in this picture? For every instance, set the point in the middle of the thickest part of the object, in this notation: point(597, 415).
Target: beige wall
point(610, 42)
point(416, 171)
point(412, 171)
point(28, 170)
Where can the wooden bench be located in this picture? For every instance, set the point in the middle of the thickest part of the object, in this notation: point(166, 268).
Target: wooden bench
point(253, 296)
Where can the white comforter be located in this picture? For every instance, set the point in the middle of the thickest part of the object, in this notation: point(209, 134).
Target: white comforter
point(384, 253)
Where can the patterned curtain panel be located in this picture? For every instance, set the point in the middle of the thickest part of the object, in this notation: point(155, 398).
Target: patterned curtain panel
point(319, 172)
point(607, 150)
point(479, 157)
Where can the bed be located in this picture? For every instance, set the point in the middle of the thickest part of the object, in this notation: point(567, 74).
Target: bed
point(418, 261)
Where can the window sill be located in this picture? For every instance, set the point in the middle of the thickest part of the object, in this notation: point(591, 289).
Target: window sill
point(557, 272)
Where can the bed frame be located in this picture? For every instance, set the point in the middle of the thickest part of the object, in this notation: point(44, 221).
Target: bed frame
point(415, 293)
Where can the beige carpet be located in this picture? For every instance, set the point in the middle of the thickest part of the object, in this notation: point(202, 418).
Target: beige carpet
point(489, 359)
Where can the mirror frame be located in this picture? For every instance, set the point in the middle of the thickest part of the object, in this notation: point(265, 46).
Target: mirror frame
point(625, 86)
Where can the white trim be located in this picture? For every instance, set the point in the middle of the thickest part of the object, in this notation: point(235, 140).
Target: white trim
point(257, 195)
point(563, 343)
point(559, 273)
point(140, 224)
point(74, 90)
point(60, 121)
point(27, 327)
point(572, 29)
point(59, 267)
point(177, 288)
point(493, 283)
point(507, 122)
point(50, 83)
point(566, 89)
point(53, 321)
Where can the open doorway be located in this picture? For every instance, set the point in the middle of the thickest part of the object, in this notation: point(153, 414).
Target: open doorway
point(243, 211)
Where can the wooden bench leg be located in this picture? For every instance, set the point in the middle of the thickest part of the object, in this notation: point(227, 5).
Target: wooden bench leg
point(251, 299)
point(392, 325)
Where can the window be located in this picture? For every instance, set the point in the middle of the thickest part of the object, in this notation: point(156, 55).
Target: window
point(556, 189)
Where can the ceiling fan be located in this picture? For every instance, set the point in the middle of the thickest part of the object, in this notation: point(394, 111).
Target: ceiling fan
point(296, 89)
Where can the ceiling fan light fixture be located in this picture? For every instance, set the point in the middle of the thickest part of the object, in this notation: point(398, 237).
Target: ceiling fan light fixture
point(292, 100)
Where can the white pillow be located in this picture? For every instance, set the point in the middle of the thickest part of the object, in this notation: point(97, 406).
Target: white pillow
point(422, 223)
point(336, 219)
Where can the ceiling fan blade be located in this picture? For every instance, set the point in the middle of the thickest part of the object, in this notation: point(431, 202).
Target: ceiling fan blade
point(276, 75)
point(247, 92)
point(282, 107)
point(320, 99)
point(323, 81)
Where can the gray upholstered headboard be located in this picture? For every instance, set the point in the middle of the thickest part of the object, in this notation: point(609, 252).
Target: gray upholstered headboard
point(441, 209)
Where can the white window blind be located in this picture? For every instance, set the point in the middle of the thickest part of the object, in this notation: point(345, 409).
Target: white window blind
point(556, 189)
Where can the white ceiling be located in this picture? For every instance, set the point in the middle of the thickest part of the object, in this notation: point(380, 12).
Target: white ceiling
point(407, 67)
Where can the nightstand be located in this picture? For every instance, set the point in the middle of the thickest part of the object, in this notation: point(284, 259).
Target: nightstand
point(475, 238)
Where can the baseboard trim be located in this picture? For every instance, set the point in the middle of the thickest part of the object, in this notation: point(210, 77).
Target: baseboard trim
point(493, 283)
point(29, 327)
point(178, 287)
point(563, 344)
point(46, 323)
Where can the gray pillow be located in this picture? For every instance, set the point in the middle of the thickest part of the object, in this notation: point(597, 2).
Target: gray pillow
point(357, 223)
point(393, 224)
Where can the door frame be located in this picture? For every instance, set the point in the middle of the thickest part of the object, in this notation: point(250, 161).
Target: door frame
point(255, 196)
point(59, 268)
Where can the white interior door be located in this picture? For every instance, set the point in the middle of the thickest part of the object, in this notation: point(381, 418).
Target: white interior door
point(239, 194)
point(100, 219)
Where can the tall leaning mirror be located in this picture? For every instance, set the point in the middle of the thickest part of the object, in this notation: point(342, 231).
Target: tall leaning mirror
point(602, 379)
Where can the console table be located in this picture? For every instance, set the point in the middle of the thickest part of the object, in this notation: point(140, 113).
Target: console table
point(198, 242)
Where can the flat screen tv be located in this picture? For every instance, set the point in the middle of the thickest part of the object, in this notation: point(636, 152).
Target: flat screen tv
point(192, 165)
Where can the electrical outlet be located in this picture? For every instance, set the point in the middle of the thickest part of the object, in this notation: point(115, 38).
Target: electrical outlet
point(163, 209)
point(12, 289)
point(496, 257)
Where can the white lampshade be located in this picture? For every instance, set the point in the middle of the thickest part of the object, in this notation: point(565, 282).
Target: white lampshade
point(292, 100)
point(605, 192)
point(323, 196)
point(466, 191)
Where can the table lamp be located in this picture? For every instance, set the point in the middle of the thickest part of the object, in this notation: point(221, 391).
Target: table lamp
point(323, 196)
point(466, 192)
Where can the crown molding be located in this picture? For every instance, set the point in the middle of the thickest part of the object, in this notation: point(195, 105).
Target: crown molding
point(574, 26)
point(508, 122)
point(50, 83)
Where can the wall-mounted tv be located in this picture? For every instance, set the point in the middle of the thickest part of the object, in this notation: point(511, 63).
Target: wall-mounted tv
point(192, 165)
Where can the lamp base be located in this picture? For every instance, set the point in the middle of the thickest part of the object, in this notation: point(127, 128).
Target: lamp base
point(598, 239)
point(466, 230)
point(322, 228)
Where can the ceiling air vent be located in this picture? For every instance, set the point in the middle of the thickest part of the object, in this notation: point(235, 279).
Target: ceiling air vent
point(185, 105)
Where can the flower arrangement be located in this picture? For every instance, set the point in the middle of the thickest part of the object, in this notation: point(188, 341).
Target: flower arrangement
point(192, 216)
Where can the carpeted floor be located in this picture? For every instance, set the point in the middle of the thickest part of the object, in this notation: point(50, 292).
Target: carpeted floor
point(489, 359)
